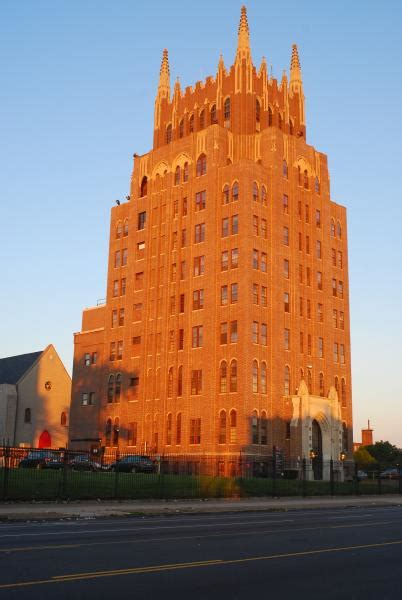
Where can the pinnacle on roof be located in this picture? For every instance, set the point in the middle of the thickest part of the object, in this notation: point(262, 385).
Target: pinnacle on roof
point(294, 61)
point(243, 38)
point(164, 76)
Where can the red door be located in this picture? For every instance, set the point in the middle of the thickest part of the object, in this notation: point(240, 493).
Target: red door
point(45, 441)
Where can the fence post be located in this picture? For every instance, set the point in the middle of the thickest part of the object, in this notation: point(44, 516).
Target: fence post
point(63, 492)
point(331, 477)
point(399, 482)
point(356, 479)
point(379, 482)
point(304, 489)
point(116, 474)
point(274, 471)
point(6, 454)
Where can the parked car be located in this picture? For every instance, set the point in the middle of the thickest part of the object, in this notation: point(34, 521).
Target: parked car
point(41, 459)
point(361, 475)
point(82, 462)
point(391, 473)
point(134, 463)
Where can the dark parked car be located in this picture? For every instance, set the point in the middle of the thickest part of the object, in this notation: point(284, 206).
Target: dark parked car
point(134, 463)
point(391, 473)
point(82, 462)
point(41, 459)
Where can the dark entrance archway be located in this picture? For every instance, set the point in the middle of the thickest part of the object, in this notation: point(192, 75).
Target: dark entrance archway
point(317, 450)
point(45, 441)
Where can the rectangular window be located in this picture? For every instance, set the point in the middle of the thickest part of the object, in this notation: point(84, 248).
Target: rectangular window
point(300, 306)
point(142, 217)
point(173, 271)
point(286, 338)
point(334, 287)
point(224, 333)
point(319, 280)
point(307, 244)
point(336, 355)
point(132, 434)
point(264, 334)
point(340, 289)
point(255, 293)
point(233, 293)
point(333, 257)
point(114, 318)
point(136, 340)
point(341, 320)
point(225, 227)
point(85, 399)
point(318, 249)
point(199, 265)
point(308, 276)
point(137, 312)
point(300, 241)
point(320, 347)
point(198, 299)
point(181, 339)
point(117, 258)
point(255, 259)
point(234, 258)
point(308, 308)
point(121, 317)
point(224, 260)
point(184, 207)
point(115, 288)
point(286, 303)
point(140, 249)
point(299, 209)
point(112, 354)
point(172, 305)
point(197, 336)
point(124, 257)
point(255, 332)
point(307, 208)
point(264, 228)
point(235, 224)
point(285, 204)
point(233, 332)
point(255, 225)
point(342, 354)
point(224, 295)
point(200, 200)
point(318, 218)
point(300, 273)
point(339, 259)
point(286, 236)
point(263, 296)
point(199, 233)
point(182, 270)
point(183, 238)
point(286, 268)
point(123, 287)
point(195, 431)
point(309, 344)
point(196, 382)
point(181, 303)
point(335, 317)
point(120, 350)
point(320, 313)
point(94, 357)
point(87, 358)
point(139, 281)
point(263, 262)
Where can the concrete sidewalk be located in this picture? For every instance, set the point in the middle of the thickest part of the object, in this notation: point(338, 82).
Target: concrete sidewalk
point(37, 511)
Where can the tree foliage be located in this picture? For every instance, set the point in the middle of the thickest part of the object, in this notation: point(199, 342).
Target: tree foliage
point(385, 453)
point(363, 457)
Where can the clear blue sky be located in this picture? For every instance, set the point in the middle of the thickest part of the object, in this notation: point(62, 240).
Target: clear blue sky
point(77, 85)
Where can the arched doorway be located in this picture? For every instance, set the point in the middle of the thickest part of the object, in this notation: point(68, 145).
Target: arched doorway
point(316, 447)
point(45, 441)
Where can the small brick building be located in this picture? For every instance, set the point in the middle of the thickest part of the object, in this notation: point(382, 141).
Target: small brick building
point(225, 330)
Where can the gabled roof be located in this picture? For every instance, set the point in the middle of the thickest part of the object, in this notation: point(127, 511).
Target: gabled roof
point(13, 368)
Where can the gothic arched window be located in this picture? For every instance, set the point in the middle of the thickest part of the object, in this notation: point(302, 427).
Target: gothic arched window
point(117, 388)
point(170, 382)
point(263, 378)
point(201, 165)
point(169, 133)
point(233, 426)
point(222, 427)
point(177, 175)
point(223, 377)
point(287, 381)
point(144, 186)
point(233, 376)
point(255, 377)
point(110, 389)
point(213, 114)
point(226, 110)
point(257, 111)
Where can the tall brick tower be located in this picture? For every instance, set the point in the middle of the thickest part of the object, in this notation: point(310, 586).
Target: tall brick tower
point(225, 329)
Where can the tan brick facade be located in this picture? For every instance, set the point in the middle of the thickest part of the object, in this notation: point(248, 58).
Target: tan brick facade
point(230, 172)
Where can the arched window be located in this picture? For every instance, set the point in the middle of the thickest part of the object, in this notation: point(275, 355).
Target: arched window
point(305, 179)
point(223, 377)
point(170, 383)
point(287, 380)
point(316, 185)
point(301, 374)
point(180, 381)
point(263, 195)
point(213, 114)
point(108, 432)
point(119, 229)
point(144, 186)
point(255, 377)
point(309, 382)
point(291, 128)
point(177, 175)
point(269, 116)
point(191, 124)
point(201, 165)
point(233, 376)
point(110, 389)
point(264, 428)
point(27, 415)
point(263, 378)
point(116, 431)
point(178, 429)
point(235, 192)
point(233, 426)
point(185, 172)
point(345, 440)
point(63, 419)
point(169, 429)
point(169, 133)
point(299, 179)
point(202, 119)
point(332, 228)
point(337, 386)
point(222, 427)
point(343, 392)
point(255, 191)
point(257, 111)
point(339, 230)
point(322, 393)
point(285, 169)
point(125, 228)
point(254, 428)
point(226, 110)
point(280, 121)
point(181, 128)
point(226, 195)
point(117, 388)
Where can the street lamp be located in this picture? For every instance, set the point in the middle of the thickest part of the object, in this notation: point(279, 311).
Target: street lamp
point(313, 454)
point(342, 455)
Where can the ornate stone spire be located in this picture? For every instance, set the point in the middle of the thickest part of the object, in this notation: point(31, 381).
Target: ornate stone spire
point(295, 71)
point(164, 77)
point(243, 38)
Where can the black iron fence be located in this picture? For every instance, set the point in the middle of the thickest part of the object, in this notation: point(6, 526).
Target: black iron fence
point(43, 474)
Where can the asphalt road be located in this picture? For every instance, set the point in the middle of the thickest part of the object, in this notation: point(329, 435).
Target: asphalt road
point(346, 553)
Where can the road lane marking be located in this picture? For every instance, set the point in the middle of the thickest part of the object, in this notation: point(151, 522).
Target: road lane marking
point(189, 537)
point(180, 566)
